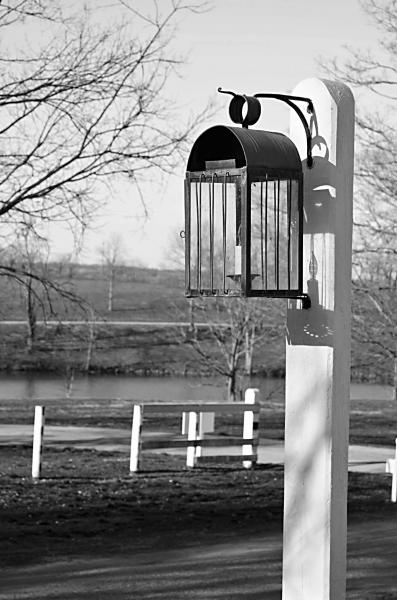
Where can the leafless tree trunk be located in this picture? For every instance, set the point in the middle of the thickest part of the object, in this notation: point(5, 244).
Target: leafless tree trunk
point(26, 261)
point(250, 339)
point(91, 341)
point(69, 380)
point(31, 314)
point(110, 291)
point(232, 392)
point(111, 252)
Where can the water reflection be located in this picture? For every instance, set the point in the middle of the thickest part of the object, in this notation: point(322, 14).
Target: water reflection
point(168, 389)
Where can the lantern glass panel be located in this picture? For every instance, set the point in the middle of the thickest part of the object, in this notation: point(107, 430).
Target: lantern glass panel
point(274, 235)
point(214, 234)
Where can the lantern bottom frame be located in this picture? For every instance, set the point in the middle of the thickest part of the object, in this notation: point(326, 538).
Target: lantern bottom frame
point(216, 293)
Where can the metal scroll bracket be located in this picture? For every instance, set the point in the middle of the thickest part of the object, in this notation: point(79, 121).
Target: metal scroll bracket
point(246, 111)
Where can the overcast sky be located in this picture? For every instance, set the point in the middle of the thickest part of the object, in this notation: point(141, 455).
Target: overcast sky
point(249, 47)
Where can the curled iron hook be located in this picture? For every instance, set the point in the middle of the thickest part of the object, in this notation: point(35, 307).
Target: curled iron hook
point(221, 91)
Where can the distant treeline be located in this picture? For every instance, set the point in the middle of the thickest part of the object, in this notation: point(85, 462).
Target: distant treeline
point(139, 294)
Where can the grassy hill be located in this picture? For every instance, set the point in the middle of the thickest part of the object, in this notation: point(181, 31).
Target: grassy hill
point(139, 295)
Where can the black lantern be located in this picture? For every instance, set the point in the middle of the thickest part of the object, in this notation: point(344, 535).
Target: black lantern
point(244, 211)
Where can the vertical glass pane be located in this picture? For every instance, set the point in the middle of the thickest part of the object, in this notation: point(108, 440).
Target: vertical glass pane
point(294, 234)
point(274, 235)
point(192, 240)
point(259, 234)
point(214, 218)
point(284, 274)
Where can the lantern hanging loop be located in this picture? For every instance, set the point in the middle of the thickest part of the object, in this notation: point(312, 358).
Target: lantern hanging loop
point(238, 103)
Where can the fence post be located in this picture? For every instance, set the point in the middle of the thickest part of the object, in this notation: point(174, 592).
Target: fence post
point(136, 437)
point(391, 467)
point(184, 423)
point(192, 437)
point(249, 424)
point(206, 424)
point(38, 433)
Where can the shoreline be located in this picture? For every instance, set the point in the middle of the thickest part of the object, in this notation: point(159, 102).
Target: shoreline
point(156, 372)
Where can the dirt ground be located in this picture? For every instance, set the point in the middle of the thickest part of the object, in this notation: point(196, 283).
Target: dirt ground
point(248, 566)
point(87, 508)
point(87, 502)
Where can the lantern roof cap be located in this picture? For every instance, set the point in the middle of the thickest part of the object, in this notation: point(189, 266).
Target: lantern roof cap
point(248, 147)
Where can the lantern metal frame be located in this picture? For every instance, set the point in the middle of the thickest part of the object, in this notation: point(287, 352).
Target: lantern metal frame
point(251, 172)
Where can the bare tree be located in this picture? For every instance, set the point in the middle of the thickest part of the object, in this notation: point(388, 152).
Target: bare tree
point(81, 103)
point(234, 329)
point(374, 74)
point(111, 252)
point(91, 341)
point(234, 326)
point(374, 318)
point(33, 255)
point(26, 261)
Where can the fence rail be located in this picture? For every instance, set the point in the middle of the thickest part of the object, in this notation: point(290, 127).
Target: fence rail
point(197, 421)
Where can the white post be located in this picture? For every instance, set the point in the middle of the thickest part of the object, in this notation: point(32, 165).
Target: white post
point(191, 436)
point(206, 424)
point(394, 482)
point(250, 397)
point(38, 433)
point(136, 438)
point(391, 467)
point(318, 356)
point(184, 423)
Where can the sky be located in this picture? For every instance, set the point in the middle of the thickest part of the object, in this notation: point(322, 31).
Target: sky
point(248, 47)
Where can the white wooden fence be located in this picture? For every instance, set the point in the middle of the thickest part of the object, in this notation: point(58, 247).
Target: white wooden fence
point(198, 419)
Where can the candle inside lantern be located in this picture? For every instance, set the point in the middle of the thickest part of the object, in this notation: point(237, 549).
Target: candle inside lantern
point(237, 260)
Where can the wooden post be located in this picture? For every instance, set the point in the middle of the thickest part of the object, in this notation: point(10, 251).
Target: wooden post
point(206, 424)
point(191, 436)
point(184, 423)
point(136, 437)
point(250, 397)
point(391, 467)
point(318, 355)
point(38, 433)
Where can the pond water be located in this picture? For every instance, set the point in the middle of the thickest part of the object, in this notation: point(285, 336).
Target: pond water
point(168, 389)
